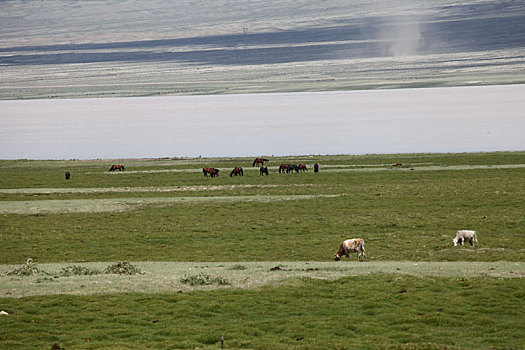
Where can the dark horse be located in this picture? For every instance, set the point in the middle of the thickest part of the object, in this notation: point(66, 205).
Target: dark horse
point(118, 167)
point(301, 167)
point(212, 171)
point(259, 161)
point(237, 171)
point(263, 170)
point(286, 167)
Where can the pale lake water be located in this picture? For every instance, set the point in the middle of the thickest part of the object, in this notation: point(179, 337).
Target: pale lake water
point(458, 119)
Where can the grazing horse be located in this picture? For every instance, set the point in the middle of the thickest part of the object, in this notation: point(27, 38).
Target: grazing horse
point(118, 167)
point(237, 171)
point(259, 161)
point(301, 167)
point(286, 167)
point(316, 168)
point(212, 171)
point(263, 170)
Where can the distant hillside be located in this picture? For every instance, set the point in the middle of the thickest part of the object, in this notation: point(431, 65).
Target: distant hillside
point(136, 48)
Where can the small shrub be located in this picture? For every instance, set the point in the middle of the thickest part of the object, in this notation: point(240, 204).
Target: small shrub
point(76, 270)
point(29, 269)
point(203, 279)
point(123, 268)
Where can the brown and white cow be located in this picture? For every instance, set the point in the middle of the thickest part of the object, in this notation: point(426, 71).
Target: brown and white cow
point(355, 245)
point(465, 236)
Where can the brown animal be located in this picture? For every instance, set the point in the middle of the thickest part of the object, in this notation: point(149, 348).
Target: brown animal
point(237, 171)
point(260, 161)
point(301, 167)
point(212, 171)
point(355, 245)
point(118, 167)
point(286, 168)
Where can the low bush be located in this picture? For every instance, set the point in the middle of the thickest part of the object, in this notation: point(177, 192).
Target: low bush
point(123, 268)
point(28, 269)
point(203, 279)
point(76, 270)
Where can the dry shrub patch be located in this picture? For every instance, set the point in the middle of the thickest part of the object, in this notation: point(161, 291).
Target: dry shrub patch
point(75, 270)
point(28, 269)
point(123, 268)
point(203, 279)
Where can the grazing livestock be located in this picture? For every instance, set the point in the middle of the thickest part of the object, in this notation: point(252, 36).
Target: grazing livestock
point(237, 171)
point(259, 161)
point(68, 175)
point(212, 171)
point(263, 170)
point(316, 168)
point(301, 167)
point(355, 245)
point(286, 167)
point(118, 167)
point(465, 235)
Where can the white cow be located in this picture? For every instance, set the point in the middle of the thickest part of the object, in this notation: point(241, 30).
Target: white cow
point(349, 246)
point(465, 235)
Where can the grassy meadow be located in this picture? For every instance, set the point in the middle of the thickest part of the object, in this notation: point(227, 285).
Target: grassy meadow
point(251, 258)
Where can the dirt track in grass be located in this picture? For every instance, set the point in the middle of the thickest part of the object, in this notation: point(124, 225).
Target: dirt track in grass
point(165, 277)
point(123, 204)
point(140, 189)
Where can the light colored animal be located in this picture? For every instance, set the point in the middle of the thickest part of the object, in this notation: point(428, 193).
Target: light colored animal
point(465, 235)
point(354, 245)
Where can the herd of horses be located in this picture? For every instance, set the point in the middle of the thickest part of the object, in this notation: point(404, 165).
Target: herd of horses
point(283, 168)
point(288, 168)
point(237, 171)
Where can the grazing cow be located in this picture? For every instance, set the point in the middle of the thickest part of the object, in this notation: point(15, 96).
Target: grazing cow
point(316, 168)
point(356, 245)
point(118, 167)
point(465, 235)
point(237, 171)
point(263, 170)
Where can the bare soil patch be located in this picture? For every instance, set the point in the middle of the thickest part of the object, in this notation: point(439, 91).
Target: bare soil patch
point(123, 204)
point(169, 277)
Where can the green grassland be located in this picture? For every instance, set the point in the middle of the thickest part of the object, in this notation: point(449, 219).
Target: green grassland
point(416, 291)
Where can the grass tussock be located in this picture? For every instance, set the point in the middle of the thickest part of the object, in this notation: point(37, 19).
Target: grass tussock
point(123, 268)
point(75, 270)
point(203, 279)
point(30, 268)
